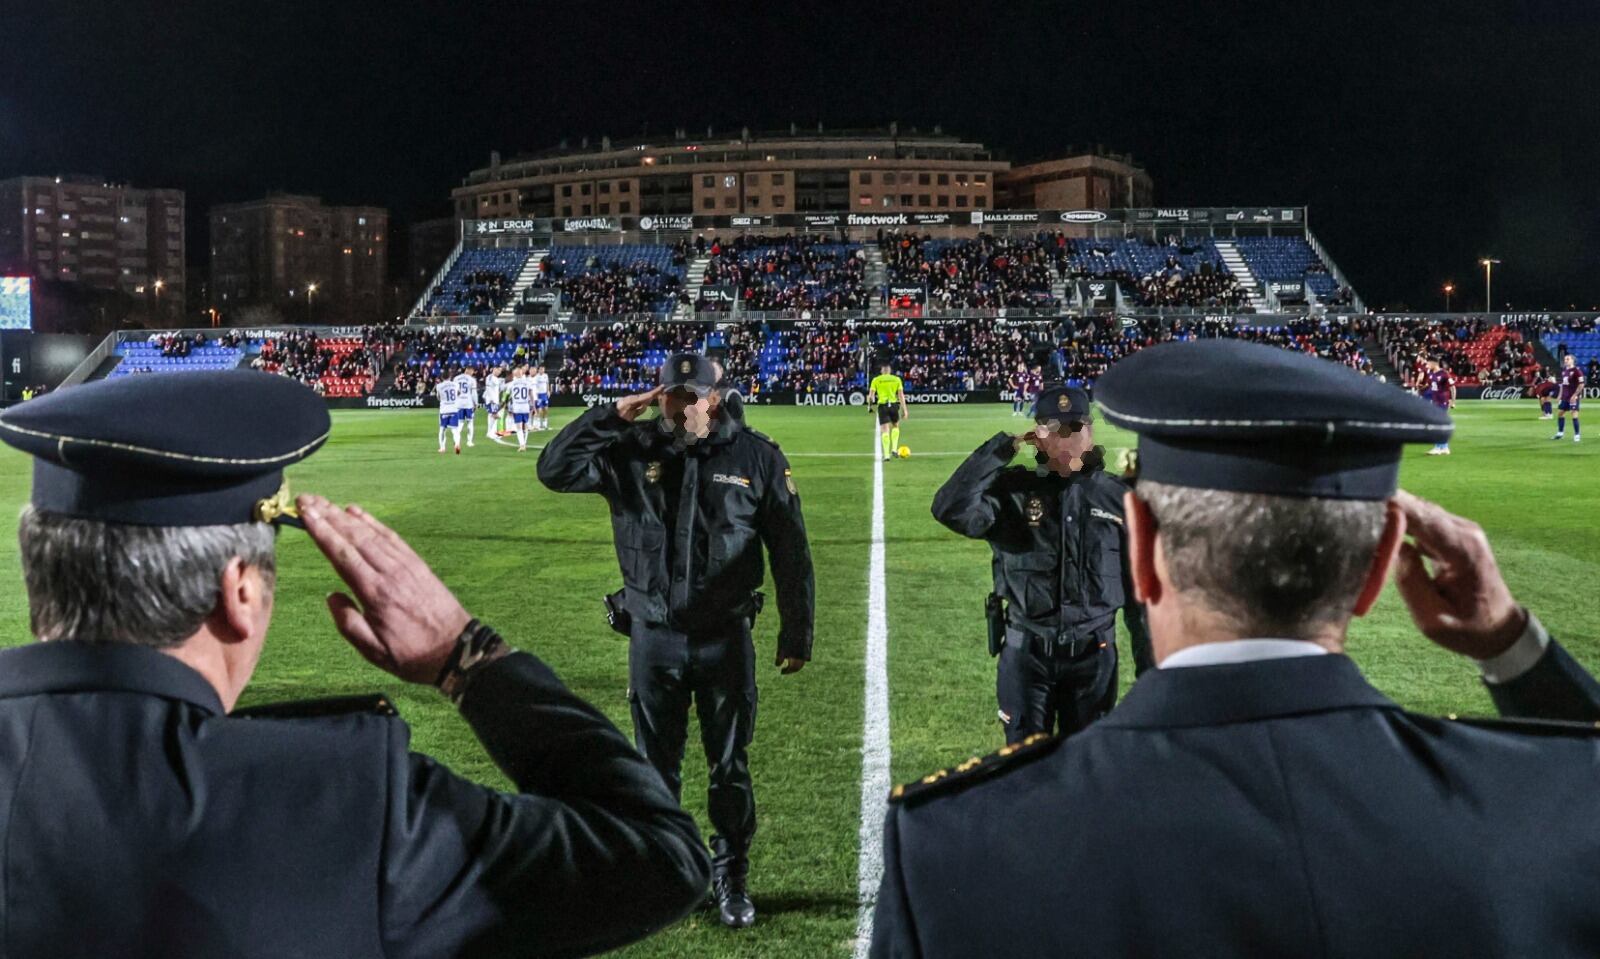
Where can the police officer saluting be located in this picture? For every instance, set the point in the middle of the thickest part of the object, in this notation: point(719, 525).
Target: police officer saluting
point(1254, 795)
point(693, 496)
point(1059, 542)
point(144, 816)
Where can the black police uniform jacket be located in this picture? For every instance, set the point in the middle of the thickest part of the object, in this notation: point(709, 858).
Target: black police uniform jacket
point(138, 820)
point(1277, 808)
point(693, 561)
point(1059, 544)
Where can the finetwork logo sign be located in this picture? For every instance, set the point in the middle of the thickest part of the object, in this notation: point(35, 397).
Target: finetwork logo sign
point(877, 219)
point(394, 402)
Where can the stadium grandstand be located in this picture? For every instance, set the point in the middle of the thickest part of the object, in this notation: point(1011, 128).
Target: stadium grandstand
point(769, 358)
point(1260, 260)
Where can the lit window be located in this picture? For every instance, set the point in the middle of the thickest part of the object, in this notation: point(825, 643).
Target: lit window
point(864, 200)
point(361, 221)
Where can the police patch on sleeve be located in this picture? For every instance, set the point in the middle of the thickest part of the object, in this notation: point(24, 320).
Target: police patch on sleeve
point(788, 480)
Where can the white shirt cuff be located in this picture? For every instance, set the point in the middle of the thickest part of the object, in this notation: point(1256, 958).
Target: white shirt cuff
point(1519, 657)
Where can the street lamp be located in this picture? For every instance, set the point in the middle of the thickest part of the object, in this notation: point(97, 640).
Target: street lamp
point(1488, 283)
point(156, 286)
point(311, 289)
point(1449, 288)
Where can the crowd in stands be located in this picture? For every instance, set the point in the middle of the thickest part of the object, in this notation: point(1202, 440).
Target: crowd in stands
point(481, 293)
point(180, 345)
point(339, 365)
point(795, 272)
point(635, 279)
point(1476, 351)
point(987, 272)
point(828, 355)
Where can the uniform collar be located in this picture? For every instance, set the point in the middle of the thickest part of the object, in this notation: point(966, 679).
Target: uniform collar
point(78, 667)
point(1241, 651)
point(1240, 692)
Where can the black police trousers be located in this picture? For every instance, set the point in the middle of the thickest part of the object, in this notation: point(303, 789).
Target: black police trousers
point(716, 670)
point(1048, 693)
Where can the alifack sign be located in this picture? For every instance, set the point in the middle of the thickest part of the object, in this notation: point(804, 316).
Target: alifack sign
point(680, 223)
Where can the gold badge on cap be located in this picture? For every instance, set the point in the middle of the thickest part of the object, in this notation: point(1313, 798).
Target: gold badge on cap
point(685, 367)
point(652, 472)
point(279, 508)
point(1063, 402)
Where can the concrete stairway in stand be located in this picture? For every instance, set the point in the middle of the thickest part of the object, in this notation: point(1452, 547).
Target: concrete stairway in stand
point(525, 279)
point(1235, 262)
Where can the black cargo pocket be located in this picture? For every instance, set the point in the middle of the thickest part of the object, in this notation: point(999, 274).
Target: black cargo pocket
point(641, 552)
point(1033, 579)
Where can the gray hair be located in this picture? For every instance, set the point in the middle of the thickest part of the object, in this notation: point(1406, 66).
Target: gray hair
point(144, 585)
point(1275, 566)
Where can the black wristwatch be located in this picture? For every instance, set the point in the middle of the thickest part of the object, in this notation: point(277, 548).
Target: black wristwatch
point(476, 647)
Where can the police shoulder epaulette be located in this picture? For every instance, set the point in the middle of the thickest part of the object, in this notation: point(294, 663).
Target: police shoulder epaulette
point(1527, 727)
point(763, 438)
point(975, 769)
point(375, 704)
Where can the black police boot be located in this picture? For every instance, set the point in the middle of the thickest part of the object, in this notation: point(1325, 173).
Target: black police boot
point(734, 908)
point(729, 873)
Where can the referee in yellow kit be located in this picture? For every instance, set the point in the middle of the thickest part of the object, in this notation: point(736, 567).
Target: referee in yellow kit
point(888, 393)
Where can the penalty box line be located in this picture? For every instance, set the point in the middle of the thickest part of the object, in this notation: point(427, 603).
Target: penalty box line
point(875, 723)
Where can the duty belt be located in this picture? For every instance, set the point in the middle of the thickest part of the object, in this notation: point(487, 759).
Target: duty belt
point(1062, 645)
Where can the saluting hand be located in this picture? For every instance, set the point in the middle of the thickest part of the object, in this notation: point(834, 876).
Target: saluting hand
point(1464, 605)
point(403, 619)
point(629, 407)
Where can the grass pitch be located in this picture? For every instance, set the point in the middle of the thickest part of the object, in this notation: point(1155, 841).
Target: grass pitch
point(535, 565)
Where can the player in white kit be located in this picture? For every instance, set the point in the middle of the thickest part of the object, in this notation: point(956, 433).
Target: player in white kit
point(541, 400)
point(467, 401)
point(521, 399)
point(493, 385)
point(447, 393)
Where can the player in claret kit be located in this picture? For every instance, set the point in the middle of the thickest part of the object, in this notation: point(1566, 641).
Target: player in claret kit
point(1441, 389)
point(1572, 383)
point(447, 393)
point(1545, 392)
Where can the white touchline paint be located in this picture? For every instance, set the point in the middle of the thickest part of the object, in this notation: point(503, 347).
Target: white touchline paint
point(878, 455)
point(875, 724)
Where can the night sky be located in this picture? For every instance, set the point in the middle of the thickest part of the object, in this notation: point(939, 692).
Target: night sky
point(1421, 136)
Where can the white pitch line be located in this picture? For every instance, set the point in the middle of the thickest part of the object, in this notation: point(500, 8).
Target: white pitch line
point(875, 724)
point(879, 456)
